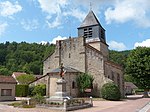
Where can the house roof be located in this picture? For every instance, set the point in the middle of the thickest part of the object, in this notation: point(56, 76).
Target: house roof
point(90, 20)
point(7, 79)
point(18, 73)
point(66, 69)
point(131, 85)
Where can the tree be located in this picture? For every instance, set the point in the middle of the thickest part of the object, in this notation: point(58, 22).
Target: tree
point(25, 78)
point(138, 67)
point(84, 81)
point(4, 71)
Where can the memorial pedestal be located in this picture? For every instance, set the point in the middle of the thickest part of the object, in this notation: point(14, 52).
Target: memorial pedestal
point(60, 93)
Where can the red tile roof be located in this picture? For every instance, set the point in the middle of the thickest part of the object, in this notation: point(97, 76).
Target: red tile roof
point(7, 79)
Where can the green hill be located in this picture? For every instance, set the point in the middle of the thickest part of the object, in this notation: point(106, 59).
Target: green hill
point(23, 57)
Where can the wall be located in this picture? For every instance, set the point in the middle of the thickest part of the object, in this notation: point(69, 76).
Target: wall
point(96, 45)
point(69, 77)
point(95, 65)
point(70, 52)
point(115, 73)
point(104, 50)
point(73, 53)
point(52, 61)
point(7, 86)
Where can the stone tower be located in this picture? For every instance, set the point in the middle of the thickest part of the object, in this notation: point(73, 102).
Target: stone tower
point(94, 33)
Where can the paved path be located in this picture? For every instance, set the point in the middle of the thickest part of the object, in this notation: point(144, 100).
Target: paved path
point(132, 104)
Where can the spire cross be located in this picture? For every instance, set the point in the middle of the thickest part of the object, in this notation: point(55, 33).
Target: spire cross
point(90, 5)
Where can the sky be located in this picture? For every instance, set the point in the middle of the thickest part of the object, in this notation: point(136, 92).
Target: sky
point(127, 22)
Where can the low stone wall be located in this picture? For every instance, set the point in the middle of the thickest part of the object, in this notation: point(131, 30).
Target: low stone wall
point(67, 105)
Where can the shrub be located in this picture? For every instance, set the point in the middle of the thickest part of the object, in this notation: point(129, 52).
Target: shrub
point(31, 88)
point(84, 81)
point(38, 99)
point(21, 90)
point(110, 91)
point(39, 89)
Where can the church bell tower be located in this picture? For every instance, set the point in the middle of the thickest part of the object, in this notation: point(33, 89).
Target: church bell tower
point(94, 33)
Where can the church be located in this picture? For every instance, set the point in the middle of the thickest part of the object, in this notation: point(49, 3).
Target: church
point(87, 53)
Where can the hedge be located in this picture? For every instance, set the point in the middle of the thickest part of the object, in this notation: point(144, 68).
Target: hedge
point(39, 89)
point(22, 90)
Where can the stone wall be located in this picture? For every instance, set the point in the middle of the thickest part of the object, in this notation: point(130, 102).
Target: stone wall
point(95, 65)
point(115, 73)
point(52, 61)
point(104, 50)
point(73, 53)
point(70, 78)
point(96, 45)
point(70, 52)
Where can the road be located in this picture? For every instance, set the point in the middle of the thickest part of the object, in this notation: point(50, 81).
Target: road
point(132, 104)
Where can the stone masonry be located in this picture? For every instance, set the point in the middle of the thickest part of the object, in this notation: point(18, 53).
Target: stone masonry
point(87, 53)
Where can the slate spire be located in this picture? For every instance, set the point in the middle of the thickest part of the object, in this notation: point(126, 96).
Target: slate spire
point(90, 20)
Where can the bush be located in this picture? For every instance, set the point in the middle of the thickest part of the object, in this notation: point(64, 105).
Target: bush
point(38, 99)
point(21, 90)
point(39, 89)
point(110, 91)
point(31, 88)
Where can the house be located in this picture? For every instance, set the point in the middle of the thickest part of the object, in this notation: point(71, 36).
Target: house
point(87, 53)
point(7, 88)
point(129, 88)
point(16, 74)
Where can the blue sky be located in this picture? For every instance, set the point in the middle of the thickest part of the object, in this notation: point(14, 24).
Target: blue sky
point(127, 22)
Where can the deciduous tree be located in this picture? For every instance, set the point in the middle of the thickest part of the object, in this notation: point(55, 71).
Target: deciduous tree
point(138, 67)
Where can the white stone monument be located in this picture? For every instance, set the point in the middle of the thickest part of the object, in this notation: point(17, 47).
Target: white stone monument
point(60, 93)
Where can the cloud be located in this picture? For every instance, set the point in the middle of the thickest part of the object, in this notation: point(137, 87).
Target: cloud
point(57, 38)
point(51, 8)
point(43, 42)
point(123, 11)
point(30, 25)
point(54, 23)
point(53, 41)
point(7, 9)
point(145, 43)
point(116, 46)
point(80, 15)
point(58, 10)
point(3, 27)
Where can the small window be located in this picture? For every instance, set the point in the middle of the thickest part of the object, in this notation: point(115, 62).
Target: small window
point(118, 79)
point(73, 85)
point(112, 74)
point(69, 55)
point(88, 33)
point(90, 29)
point(6, 92)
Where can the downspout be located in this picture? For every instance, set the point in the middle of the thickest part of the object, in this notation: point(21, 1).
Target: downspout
point(85, 47)
point(59, 52)
point(48, 85)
